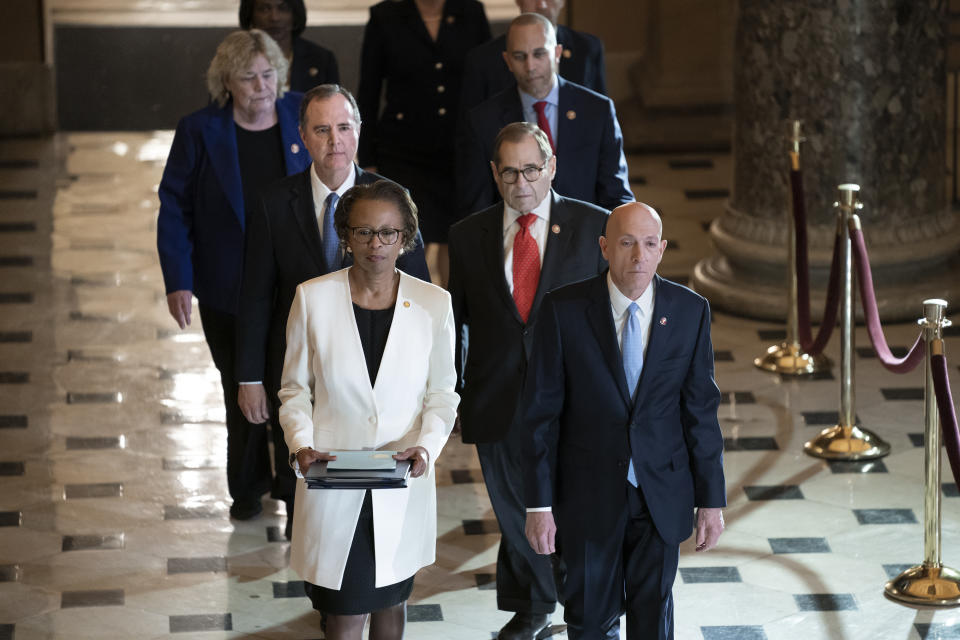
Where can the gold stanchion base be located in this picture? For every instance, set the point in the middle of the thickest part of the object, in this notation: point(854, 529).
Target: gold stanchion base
point(790, 359)
point(847, 443)
point(935, 585)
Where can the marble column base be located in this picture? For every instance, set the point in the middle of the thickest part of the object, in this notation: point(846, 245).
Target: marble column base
point(747, 275)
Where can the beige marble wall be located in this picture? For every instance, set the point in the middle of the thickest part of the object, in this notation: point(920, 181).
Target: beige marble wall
point(26, 65)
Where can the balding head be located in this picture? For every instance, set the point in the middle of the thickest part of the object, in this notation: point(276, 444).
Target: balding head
point(633, 246)
point(532, 54)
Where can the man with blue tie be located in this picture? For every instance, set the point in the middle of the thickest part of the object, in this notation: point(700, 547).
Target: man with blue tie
point(621, 402)
point(290, 239)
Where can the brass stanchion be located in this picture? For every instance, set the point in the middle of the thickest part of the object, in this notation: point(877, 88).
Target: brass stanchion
point(930, 583)
point(788, 357)
point(846, 440)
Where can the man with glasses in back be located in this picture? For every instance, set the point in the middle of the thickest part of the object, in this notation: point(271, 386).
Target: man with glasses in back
point(502, 261)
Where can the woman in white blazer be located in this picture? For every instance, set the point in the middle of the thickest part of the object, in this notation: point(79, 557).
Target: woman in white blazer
point(369, 365)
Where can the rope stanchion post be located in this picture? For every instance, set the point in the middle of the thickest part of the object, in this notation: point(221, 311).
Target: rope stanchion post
point(846, 440)
point(788, 357)
point(930, 583)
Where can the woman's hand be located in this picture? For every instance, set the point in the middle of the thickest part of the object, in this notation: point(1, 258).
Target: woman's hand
point(306, 457)
point(419, 455)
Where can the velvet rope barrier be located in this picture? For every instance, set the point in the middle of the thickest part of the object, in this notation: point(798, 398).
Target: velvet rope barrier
point(811, 346)
point(948, 417)
point(898, 365)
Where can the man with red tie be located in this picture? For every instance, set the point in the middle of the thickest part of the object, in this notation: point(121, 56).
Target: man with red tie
point(502, 261)
point(581, 125)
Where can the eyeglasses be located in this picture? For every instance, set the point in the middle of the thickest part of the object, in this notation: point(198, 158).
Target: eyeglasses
point(364, 234)
point(530, 174)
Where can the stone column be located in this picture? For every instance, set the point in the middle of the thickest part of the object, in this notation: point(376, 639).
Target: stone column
point(868, 79)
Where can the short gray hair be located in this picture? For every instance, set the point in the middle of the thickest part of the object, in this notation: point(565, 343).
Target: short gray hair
point(235, 55)
point(517, 132)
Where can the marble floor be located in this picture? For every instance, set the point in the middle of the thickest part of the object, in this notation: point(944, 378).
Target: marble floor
point(113, 502)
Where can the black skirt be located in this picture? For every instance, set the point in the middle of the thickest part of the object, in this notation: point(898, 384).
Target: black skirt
point(357, 593)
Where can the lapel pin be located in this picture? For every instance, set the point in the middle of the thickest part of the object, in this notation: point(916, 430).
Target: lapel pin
point(555, 228)
point(449, 19)
point(313, 71)
point(571, 114)
point(663, 321)
point(567, 53)
point(294, 148)
point(406, 304)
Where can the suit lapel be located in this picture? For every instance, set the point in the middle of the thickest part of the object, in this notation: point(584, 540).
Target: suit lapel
point(492, 248)
point(301, 205)
point(557, 245)
point(600, 317)
point(221, 143)
point(566, 131)
point(511, 109)
point(657, 340)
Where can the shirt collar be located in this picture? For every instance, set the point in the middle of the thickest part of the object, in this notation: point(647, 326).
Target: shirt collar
point(321, 191)
point(620, 302)
point(553, 98)
point(542, 210)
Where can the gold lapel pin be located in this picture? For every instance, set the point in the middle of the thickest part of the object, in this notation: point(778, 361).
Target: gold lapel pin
point(294, 148)
point(449, 19)
point(567, 53)
point(313, 71)
point(555, 228)
point(406, 304)
point(663, 322)
point(571, 114)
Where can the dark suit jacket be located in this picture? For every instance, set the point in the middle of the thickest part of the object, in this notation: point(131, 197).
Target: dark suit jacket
point(422, 79)
point(200, 227)
point(590, 161)
point(485, 73)
point(283, 250)
point(312, 65)
point(499, 341)
point(576, 392)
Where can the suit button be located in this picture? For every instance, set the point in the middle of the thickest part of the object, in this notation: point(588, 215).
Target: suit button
point(399, 116)
point(442, 111)
point(526, 332)
point(438, 66)
point(373, 419)
point(441, 88)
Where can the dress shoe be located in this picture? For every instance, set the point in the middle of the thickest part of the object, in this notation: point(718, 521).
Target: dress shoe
point(246, 509)
point(526, 626)
point(288, 529)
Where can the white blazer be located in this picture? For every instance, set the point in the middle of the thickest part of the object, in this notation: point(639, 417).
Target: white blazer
point(328, 404)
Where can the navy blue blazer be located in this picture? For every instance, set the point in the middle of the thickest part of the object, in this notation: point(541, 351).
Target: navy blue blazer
point(590, 161)
point(486, 74)
point(284, 249)
point(576, 395)
point(200, 227)
point(312, 65)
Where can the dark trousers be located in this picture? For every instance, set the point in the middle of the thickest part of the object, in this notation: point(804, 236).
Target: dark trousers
point(248, 455)
point(285, 480)
point(525, 580)
point(629, 568)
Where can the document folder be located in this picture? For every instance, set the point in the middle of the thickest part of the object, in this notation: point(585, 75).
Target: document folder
point(320, 476)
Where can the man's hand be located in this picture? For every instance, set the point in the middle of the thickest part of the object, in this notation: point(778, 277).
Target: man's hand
point(252, 399)
point(541, 531)
point(420, 457)
point(180, 304)
point(308, 456)
point(709, 528)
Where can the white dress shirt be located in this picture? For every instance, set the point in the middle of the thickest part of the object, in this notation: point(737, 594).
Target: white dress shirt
point(538, 230)
point(550, 111)
point(321, 191)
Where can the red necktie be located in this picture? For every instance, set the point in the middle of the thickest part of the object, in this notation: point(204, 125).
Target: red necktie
point(526, 266)
point(543, 123)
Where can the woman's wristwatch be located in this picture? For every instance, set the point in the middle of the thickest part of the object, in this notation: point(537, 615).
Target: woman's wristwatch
point(293, 455)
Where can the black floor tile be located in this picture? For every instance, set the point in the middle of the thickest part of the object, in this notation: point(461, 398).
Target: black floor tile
point(424, 613)
point(99, 490)
point(192, 463)
point(865, 466)
point(950, 490)
point(737, 632)
point(705, 194)
point(201, 622)
point(19, 164)
point(722, 356)
point(937, 630)
point(9, 572)
point(823, 418)
point(16, 297)
point(16, 261)
point(640, 180)
point(771, 335)
point(885, 516)
point(750, 444)
point(903, 393)
point(17, 227)
point(486, 581)
point(480, 527)
point(466, 476)
point(178, 512)
point(694, 575)
point(293, 589)
point(11, 518)
point(97, 598)
point(196, 565)
point(275, 534)
point(893, 570)
point(13, 422)
point(80, 316)
point(109, 397)
point(18, 194)
point(774, 492)
point(93, 542)
point(79, 355)
point(14, 377)
point(16, 336)
point(12, 469)
point(7, 631)
point(741, 397)
point(825, 602)
point(916, 439)
point(799, 545)
point(691, 163)
point(705, 225)
point(868, 352)
point(76, 443)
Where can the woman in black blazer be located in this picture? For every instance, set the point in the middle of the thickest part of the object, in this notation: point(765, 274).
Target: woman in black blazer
point(417, 48)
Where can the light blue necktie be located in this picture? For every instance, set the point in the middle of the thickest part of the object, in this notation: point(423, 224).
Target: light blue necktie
point(331, 244)
point(632, 364)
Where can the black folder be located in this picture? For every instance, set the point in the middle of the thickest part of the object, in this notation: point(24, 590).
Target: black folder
point(319, 477)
